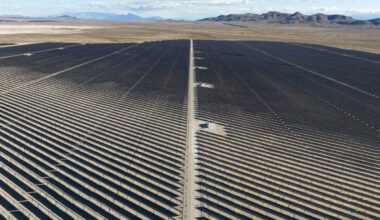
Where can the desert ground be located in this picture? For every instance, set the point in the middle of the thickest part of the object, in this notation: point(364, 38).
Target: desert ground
point(101, 31)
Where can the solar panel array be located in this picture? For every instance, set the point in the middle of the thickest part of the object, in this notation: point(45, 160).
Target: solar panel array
point(298, 145)
point(100, 131)
point(104, 140)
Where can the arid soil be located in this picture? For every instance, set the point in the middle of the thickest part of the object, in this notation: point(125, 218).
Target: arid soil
point(98, 31)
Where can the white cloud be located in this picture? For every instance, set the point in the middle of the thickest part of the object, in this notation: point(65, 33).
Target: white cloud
point(191, 9)
point(204, 8)
point(136, 5)
point(331, 10)
point(165, 4)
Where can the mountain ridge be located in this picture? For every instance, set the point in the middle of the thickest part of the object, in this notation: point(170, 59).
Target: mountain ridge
point(273, 17)
point(100, 15)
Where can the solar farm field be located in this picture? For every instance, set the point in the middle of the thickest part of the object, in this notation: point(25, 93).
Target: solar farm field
point(189, 129)
point(302, 132)
point(94, 131)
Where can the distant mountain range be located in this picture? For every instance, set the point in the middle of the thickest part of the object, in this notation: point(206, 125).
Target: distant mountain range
point(98, 15)
point(296, 18)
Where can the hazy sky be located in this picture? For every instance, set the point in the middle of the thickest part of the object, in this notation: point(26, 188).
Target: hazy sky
point(190, 9)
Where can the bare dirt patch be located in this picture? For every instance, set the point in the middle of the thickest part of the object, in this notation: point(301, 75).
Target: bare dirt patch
point(107, 31)
point(9, 29)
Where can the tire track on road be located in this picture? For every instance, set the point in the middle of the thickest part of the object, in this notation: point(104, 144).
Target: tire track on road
point(190, 191)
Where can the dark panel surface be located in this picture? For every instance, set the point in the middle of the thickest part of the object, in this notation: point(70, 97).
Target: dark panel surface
point(104, 139)
point(297, 145)
point(99, 131)
point(358, 54)
point(29, 48)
